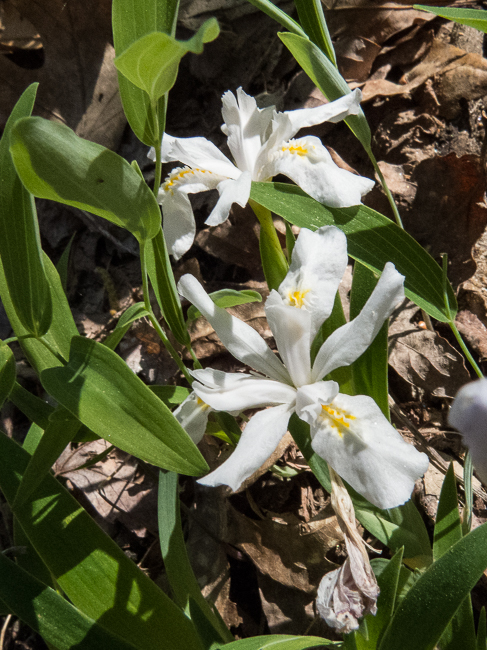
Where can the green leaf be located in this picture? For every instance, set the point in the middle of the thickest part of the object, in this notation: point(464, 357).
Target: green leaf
point(34, 408)
point(7, 372)
point(98, 388)
point(129, 316)
point(269, 8)
point(397, 527)
point(63, 263)
point(96, 575)
point(170, 395)
point(20, 246)
point(162, 280)
point(372, 239)
point(431, 603)
point(151, 63)
point(476, 18)
point(313, 20)
point(130, 21)
point(281, 642)
point(482, 631)
point(61, 429)
point(176, 562)
point(227, 298)
point(60, 332)
point(54, 163)
point(369, 371)
point(325, 75)
point(50, 615)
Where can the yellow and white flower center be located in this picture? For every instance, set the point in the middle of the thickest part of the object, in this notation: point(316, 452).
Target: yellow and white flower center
point(296, 149)
point(297, 298)
point(337, 418)
point(203, 405)
point(185, 175)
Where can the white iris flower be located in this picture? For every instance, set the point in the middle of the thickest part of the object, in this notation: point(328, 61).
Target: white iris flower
point(349, 432)
point(262, 145)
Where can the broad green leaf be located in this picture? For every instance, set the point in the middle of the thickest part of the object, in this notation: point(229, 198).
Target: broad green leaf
point(34, 408)
point(98, 388)
point(431, 603)
point(460, 632)
point(325, 75)
point(272, 10)
point(130, 21)
point(129, 316)
point(20, 246)
point(369, 371)
point(170, 395)
point(372, 239)
point(54, 163)
point(312, 18)
point(227, 298)
point(7, 372)
point(388, 582)
point(176, 562)
point(93, 572)
point(50, 615)
point(152, 62)
point(162, 280)
point(281, 642)
point(476, 18)
point(60, 332)
point(61, 429)
point(395, 528)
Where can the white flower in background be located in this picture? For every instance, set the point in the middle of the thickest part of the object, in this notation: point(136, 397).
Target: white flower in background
point(262, 145)
point(192, 415)
point(468, 414)
point(350, 433)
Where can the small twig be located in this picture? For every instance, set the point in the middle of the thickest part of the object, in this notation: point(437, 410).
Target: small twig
point(4, 630)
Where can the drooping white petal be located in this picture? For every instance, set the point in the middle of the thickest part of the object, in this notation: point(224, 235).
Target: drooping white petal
point(192, 415)
point(178, 222)
point(351, 340)
point(318, 263)
point(199, 153)
point(291, 328)
point(331, 112)
point(468, 414)
point(234, 391)
point(308, 163)
point(355, 438)
point(259, 440)
point(245, 125)
point(231, 191)
point(240, 339)
point(311, 398)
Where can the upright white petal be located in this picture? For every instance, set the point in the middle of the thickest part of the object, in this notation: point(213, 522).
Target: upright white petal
point(246, 126)
point(178, 222)
point(231, 191)
point(331, 112)
point(291, 328)
point(235, 391)
point(192, 415)
point(351, 340)
point(355, 438)
point(468, 414)
point(308, 163)
point(259, 440)
point(240, 339)
point(318, 263)
point(311, 398)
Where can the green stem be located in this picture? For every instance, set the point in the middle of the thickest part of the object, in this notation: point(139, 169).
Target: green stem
point(197, 364)
point(157, 172)
point(273, 259)
point(390, 198)
point(162, 335)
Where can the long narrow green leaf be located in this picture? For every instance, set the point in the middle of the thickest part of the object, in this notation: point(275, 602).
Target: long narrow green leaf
point(176, 562)
point(280, 16)
point(476, 18)
point(434, 599)
point(99, 389)
point(34, 408)
point(369, 371)
point(313, 20)
point(7, 372)
point(281, 642)
point(130, 21)
point(20, 246)
point(133, 313)
point(226, 298)
point(372, 239)
point(50, 615)
point(54, 163)
point(482, 631)
point(96, 576)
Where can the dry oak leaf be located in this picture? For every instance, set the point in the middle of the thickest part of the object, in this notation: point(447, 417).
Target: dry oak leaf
point(423, 358)
point(77, 81)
